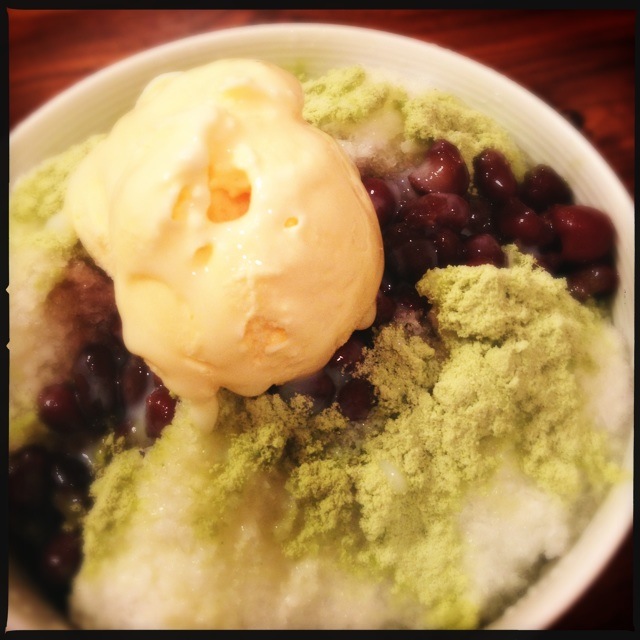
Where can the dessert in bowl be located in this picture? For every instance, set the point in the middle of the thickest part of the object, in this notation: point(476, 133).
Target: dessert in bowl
point(379, 469)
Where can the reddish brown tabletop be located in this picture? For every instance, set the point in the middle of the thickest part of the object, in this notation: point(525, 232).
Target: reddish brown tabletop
point(580, 62)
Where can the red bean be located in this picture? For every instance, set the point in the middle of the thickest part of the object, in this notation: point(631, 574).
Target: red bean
point(549, 240)
point(61, 558)
point(382, 198)
point(58, 408)
point(408, 299)
point(349, 354)
point(448, 247)
point(597, 280)
point(95, 381)
point(586, 234)
point(408, 253)
point(69, 472)
point(385, 308)
point(29, 477)
point(437, 210)
point(356, 398)
point(493, 176)
point(483, 249)
point(318, 387)
point(543, 187)
point(480, 215)
point(551, 261)
point(443, 169)
point(160, 409)
point(518, 222)
point(135, 378)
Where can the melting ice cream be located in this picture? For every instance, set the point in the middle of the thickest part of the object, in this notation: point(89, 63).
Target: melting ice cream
point(219, 213)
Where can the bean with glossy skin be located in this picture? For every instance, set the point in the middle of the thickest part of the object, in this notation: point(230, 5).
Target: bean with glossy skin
point(349, 354)
point(408, 299)
point(437, 210)
point(382, 198)
point(385, 308)
point(543, 187)
point(69, 472)
point(448, 247)
point(408, 253)
point(160, 409)
point(483, 249)
point(595, 280)
point(551, 261)
point(59, 410)
point(443, 169)
point(135, 378)
point(493, 176)
point(517, 221)
point(95, 381)
point(480, 216)
point(586, 234)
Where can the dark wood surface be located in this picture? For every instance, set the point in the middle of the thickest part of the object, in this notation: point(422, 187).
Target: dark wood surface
point(580, 62)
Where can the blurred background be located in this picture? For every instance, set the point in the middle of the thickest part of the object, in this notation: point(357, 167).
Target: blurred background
point(582, 63)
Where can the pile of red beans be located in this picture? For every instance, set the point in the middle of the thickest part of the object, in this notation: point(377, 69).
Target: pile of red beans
point(438, 217)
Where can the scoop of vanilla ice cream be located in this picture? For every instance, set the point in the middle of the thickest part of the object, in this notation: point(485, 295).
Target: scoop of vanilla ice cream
point(242, 244)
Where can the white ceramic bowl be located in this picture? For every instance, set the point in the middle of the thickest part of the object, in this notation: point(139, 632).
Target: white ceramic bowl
point(94, 104)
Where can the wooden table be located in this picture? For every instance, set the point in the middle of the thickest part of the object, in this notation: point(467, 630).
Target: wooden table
point(580, 62)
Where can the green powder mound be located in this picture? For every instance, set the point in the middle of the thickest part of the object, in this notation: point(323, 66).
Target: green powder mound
point(519, 344)
point(353, 105)
point(40, 194)
point(253, 437)
point(364, 114)
point(383, 499)
point(437, 114)
point(408, 490)
point(347, 96)
point(206, 479)
point(490, 304)
point(114, 493)
point(401, 353)
point(132, 485)
point(36, 230)
point(209, 472)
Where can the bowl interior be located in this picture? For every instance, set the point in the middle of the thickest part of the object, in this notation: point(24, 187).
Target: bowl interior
point(94, 104)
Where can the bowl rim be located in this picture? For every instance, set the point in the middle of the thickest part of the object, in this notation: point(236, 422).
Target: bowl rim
point(534, 610)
